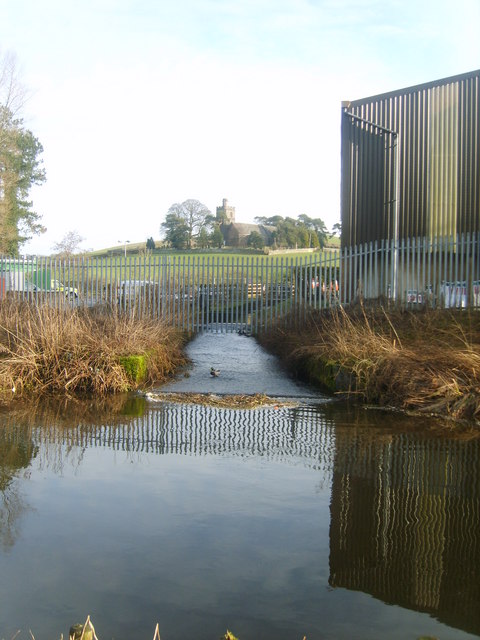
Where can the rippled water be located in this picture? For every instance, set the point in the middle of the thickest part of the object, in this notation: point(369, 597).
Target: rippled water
point(245, 368)
point(317, 520)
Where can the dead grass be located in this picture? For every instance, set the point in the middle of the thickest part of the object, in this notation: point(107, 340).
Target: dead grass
point(425, 361)
point(48, 350)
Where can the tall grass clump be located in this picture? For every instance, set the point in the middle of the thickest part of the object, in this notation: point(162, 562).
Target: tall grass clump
point(75, 350)
point(426, 360)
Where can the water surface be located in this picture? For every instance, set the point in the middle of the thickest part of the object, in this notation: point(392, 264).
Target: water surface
point(318, 520)
point(244, 368)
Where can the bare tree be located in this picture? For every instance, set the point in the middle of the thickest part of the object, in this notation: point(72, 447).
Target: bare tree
point(13, 93)
point(190, 216)
point(69, 244)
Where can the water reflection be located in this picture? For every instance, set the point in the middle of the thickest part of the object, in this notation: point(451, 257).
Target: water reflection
point(405, 503)
point(297, 434)
point(405, 522)
point(16, 453)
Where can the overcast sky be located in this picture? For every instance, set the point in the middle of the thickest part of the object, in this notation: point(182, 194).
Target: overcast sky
point(143, 103)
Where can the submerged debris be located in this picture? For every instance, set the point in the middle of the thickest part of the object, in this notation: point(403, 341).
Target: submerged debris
point(255, 401)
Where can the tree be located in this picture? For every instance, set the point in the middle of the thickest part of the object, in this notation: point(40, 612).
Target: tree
point(216, 237)
point(150, 244)
point(176, 231)
point(203, 239)
point(189, 216)
point(273, 221)
point(317, 226)
point(13, 93)
point(255, 240)
point(20, 169)
point(69, 244)
point(20, 165)
point(302, 232)
point(337, 229)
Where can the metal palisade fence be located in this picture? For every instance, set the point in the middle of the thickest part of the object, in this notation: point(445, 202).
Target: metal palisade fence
point(221, 293)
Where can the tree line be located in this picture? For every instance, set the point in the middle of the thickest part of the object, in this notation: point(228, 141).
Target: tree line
point(296, 233)
point(191, 224)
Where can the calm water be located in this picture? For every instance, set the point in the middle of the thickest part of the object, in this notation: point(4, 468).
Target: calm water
point(316, 520)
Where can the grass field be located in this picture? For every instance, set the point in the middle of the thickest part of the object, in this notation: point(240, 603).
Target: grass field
point(182, 268)
point(138, 248)
point(212, 257)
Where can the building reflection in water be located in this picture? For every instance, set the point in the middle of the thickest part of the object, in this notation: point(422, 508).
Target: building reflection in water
point(405, 522)
point(405, 506)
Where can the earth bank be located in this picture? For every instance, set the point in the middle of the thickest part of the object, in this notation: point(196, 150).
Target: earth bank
point(423, 361)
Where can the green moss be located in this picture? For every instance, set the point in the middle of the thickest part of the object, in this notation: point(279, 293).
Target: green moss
point(327, 374)
point(321, 373)
point(135, 367)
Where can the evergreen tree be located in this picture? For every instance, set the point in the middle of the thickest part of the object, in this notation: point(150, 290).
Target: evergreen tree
point(216, 237)
point(176, 231)
point(20, 169)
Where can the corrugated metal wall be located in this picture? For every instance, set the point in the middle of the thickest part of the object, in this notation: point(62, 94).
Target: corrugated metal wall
point(437, 129)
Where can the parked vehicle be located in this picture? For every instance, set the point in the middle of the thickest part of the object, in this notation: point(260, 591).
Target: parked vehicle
point(70, 292)
point(129, 290)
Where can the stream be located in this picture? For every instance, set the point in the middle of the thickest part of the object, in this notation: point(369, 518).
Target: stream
point(303, 518)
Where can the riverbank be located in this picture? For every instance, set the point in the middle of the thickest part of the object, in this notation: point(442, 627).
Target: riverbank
point(45, 350)
point(424, 361)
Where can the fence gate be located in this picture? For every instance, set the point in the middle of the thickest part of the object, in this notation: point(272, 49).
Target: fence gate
point(200, 294)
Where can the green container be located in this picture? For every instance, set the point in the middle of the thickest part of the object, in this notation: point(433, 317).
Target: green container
point(42, 279)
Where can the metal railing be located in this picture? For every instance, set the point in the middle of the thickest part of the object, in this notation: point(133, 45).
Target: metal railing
point(202, 293)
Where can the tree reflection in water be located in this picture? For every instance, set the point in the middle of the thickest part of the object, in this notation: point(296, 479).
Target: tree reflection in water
point(16, 453)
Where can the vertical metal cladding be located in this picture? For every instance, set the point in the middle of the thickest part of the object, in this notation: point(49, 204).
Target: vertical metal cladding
point(425, 137)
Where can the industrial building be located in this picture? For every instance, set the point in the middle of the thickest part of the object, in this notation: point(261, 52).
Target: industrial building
point(410, 173)
point(411, 162)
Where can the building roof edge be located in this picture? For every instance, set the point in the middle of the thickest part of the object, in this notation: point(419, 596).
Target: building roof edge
point(425, 85)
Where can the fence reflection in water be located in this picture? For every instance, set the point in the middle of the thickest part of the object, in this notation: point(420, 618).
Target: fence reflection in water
point(405, 507)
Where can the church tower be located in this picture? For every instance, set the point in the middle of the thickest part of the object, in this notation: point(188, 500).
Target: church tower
point(226, 213)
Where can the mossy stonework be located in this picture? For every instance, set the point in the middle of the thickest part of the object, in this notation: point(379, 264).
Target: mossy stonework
point(135, 367)
point(327, 374)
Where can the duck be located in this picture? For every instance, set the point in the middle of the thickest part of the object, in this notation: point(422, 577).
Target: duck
point(214, 372)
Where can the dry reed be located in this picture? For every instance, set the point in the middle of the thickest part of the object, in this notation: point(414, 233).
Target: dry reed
point(425, 361)
point(70, 350)
point(86, 631)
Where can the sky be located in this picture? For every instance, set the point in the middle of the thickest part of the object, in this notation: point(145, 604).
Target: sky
point(140, 104)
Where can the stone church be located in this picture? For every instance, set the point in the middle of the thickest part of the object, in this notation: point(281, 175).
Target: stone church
point(235, 234)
